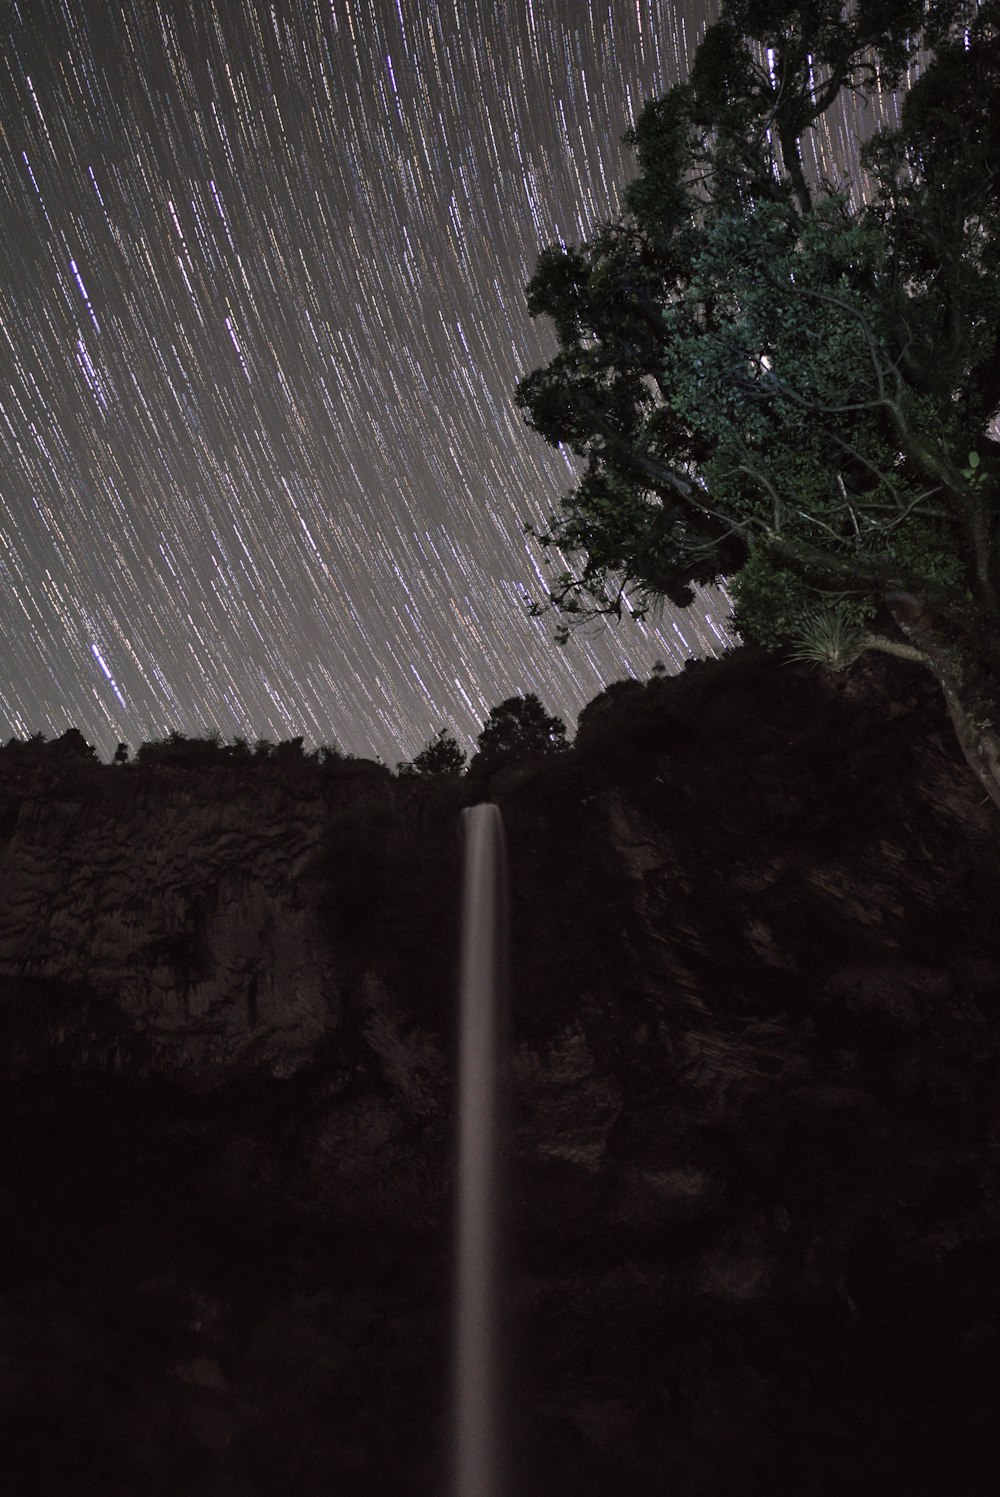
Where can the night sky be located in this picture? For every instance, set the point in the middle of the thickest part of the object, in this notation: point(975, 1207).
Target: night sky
point(261, 317)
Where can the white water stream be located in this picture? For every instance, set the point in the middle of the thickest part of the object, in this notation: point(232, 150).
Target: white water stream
point(477, 1394)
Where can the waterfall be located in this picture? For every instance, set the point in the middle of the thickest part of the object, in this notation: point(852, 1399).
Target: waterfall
point(477, 1396)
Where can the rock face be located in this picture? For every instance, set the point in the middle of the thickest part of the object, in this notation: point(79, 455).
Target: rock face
point(182, 901)
point(753, 1187)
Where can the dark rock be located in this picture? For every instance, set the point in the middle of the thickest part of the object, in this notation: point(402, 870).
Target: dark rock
point(753, 1126)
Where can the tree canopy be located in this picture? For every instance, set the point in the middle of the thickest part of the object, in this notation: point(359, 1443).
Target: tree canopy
point(441, 756)
point(518, 728)
point(791, 384)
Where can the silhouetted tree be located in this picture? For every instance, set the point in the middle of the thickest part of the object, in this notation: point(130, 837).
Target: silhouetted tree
point(26, 745)
point(289, 751)
point(788, 385)
point(73, 745)
point(120, 754)
point(518, 729)
point(182, 752)
point(328, 753)
point(441, 756)
point(69, 745)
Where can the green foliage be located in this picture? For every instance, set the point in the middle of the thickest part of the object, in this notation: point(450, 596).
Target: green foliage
point(519, 728)
point(441, 756)
point(973, 474)
point(831, 637)
point(767, 384)
point(768, 601)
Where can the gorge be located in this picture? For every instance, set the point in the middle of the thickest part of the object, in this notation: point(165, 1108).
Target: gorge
point(752, 1137)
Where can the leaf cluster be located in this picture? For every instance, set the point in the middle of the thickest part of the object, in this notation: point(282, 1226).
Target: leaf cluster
point(770, 381)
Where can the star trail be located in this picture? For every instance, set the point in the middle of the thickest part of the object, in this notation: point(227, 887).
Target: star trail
point(261, 317)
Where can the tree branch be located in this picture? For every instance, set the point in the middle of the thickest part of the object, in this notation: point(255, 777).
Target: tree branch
point(895, 647)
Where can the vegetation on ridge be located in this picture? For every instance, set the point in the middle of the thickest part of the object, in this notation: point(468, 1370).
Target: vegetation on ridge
point(517, 729)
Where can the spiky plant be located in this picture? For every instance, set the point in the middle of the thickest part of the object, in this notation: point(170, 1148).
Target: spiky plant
point(830, 637)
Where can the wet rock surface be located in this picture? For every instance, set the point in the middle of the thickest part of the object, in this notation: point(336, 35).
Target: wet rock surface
point(753, 1189)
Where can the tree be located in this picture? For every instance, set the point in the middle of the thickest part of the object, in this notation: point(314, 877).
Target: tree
point(441, 756)
point(289, 751)
point(73, 745)
point(328, 753)
point(518, 729)
point(181, 752)
point(776, 384)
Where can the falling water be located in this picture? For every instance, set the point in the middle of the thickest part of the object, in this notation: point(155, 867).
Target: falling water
point(477, 1395)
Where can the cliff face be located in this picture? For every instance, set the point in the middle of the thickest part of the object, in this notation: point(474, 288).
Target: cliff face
point(182, 902)
point(752, 1119)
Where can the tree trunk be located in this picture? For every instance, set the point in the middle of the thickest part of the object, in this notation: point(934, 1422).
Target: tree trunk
point(973, 697)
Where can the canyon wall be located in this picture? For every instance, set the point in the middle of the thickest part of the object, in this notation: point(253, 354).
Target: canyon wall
point(752, 1113)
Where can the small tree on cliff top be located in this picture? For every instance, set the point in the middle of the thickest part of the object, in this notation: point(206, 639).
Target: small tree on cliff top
point(518, 729)
point(772, 385)
point(441, 756)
